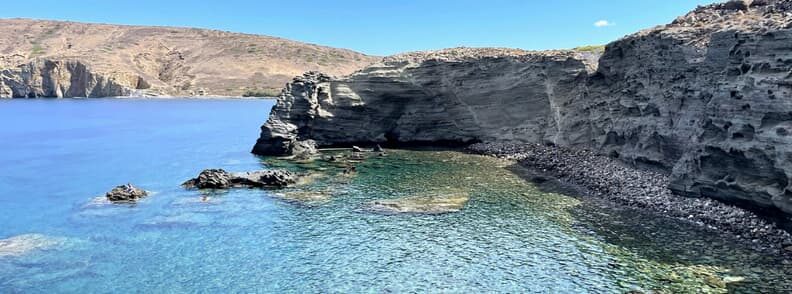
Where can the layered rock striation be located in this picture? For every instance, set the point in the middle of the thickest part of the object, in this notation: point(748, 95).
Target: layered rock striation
point(158, 61)
point(706, 99)
point(64, 78)
point(457, 95)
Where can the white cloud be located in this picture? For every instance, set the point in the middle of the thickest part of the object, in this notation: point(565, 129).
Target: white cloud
point(603, 23)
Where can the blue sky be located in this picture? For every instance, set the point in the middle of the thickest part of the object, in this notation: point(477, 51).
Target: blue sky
point(384, 27)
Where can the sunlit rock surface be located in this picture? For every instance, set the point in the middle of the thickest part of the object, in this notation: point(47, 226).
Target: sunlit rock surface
point(705, 98)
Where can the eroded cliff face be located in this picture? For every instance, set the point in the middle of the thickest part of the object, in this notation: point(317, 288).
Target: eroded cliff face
point(707, 98)
point(451, 96)
point(63, 78)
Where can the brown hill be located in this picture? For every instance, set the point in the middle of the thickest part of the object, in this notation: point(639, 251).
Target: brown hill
point(156, 60)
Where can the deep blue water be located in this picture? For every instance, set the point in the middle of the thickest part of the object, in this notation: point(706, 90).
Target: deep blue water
point(58, 157)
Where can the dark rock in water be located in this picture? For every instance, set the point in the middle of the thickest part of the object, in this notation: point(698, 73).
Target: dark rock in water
point(357, 149)
point(221, 179)
point(350, 170)
point(210, 179)
point(378, 148)
point(265, 178)
point(304, 149)
point(126, 193)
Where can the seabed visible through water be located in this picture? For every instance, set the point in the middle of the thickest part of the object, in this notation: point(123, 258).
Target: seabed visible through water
point(318, 236)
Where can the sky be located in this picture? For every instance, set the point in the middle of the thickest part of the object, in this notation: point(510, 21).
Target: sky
point(379, 27)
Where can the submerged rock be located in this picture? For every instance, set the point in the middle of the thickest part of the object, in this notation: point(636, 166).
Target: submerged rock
point(21, 244)
point(126, 193)
point(601, 176)
point(305, 197)
point(221, 179)
point(439, 204)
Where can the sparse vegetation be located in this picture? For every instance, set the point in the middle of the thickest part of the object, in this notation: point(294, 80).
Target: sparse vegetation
point(590, 48)
point(268, 92)
point(220, 63)
point(37, 50)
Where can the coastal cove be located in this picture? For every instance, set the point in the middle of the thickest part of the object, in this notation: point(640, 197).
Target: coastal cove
point(510, 235)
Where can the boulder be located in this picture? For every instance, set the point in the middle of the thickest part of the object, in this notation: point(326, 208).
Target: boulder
point(210, 179)
point(126, 193)
point(221, 179)
point(264, 178)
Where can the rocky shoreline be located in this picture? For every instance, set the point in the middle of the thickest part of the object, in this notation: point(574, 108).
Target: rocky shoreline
point(603, 177)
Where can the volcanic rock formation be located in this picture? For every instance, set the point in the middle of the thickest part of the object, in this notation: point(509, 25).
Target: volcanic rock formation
point(221, 179)
point(707, 98)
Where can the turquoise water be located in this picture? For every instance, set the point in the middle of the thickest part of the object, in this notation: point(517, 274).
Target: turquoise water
point(57, 157)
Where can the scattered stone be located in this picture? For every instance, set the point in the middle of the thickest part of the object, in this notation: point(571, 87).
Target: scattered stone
point(221, 179)
point(126, 193)
point(438, 204)
point(596, 175)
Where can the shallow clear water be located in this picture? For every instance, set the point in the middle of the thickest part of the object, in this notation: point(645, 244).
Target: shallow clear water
point(57, 157)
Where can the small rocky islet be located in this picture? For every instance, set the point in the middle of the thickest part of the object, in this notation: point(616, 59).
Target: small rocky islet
point(221, 179)
point(126, 193)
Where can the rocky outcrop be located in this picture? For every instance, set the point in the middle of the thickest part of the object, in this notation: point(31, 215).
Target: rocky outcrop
point(221, 179)
point(63, 78)
point(452, 96)
point(705, 99)
point(126, 193)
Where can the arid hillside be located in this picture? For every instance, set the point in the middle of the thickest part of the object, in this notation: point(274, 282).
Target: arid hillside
point(160, 60)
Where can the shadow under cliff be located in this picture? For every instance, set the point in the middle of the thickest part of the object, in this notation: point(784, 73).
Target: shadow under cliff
point(663, 239)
